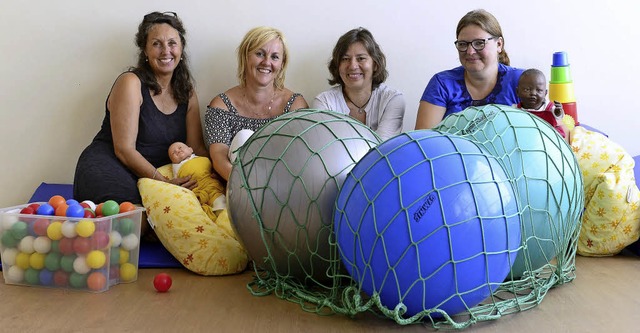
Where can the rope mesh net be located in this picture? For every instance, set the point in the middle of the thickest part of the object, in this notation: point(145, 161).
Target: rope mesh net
point(468, 222)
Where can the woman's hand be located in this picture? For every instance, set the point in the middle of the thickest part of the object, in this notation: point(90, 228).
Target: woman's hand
point(186, 182)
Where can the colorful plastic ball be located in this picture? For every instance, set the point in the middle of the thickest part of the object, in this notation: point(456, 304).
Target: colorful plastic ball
point(7, 240)
point(56, 201)
point(32, 276)
point(98, 209)
point(116, 238)
point(130, 242)
point(9, 256)
point(55, 246)
point(114, 255)
point(124, 256)
point(40, 227)
point(85, 228)
point(27, 211)
point(61, 210)
point(19, 230)
point(36, 260)
point(22, 260)
point(45, 209)
point(34, 205)
point(8, 221)
point(82, 245)
point(96, 259)
point(26, 244)
point(42, 244)
point(80, 265)
point(52, 261)
point(162, 282)
point(88, 204)
point(78, 280)
point(96, 281)
point(110, 207)
point(65, 246)
point(128, 272)
point(75, 210)
point(114, 271)
point(100, 240)
point(46, 277)
point(126, 226)
point(15, 274)
point(88, 213)
point(70, 202)
point(54, 230)
point(61, 278)
point(69, 229)
point(66, 262)
point(429, 220)
point(126, 206)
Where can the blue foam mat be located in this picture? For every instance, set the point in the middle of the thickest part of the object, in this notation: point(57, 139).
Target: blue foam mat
point(152, 254)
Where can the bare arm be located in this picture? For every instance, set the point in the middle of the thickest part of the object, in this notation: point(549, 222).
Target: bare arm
point(219, 153)
point(124, 104)
point(194, 127)
point(299, 103)
point(429, 115)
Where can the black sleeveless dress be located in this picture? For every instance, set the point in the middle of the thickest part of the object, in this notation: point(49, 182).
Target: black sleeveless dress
point(100, 176)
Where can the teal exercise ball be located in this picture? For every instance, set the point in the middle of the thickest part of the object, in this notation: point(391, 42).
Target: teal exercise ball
point(544, 170)
point(428, 220)
point(283, 187)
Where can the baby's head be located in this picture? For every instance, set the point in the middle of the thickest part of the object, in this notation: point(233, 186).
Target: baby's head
point(178, 152)
point(532, 89)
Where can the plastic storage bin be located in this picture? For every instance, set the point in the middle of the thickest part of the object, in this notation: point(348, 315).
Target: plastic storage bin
point(88, 254)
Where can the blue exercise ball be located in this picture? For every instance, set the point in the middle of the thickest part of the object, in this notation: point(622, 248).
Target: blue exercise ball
point(283, 186)
point(429, 220)
point(544, 170)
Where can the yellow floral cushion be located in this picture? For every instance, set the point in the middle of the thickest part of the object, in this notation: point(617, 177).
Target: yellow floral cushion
point(202, 245)
point(611, 219)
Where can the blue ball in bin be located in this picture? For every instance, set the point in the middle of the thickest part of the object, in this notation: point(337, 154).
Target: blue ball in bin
point(429, 220)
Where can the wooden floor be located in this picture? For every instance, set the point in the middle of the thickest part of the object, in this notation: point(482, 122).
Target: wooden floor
point(605, 297)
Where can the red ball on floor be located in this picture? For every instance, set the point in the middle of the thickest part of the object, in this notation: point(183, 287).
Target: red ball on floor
point(162, 282)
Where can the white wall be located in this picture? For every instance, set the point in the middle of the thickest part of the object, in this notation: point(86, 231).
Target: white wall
point(59, 59)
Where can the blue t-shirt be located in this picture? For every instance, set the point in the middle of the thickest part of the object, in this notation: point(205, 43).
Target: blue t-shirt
point(448, 89)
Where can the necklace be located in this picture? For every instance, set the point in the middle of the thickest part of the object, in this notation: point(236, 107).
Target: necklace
point(360, 108)
point(268, 112)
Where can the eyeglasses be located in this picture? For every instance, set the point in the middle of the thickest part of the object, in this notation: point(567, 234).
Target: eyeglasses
point(157, 15)
point(477, 44)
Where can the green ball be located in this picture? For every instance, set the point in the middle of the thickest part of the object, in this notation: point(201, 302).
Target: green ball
point(55, 246)
point(32, 276)
point(78, 280)
point(8, 240)
point(114, 256)
point(19, 230)
point(110, 207)
point(66, 262)
point(52, 261)
point(125, 226)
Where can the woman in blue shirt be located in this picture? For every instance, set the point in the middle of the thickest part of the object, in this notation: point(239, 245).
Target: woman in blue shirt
point(485, 76)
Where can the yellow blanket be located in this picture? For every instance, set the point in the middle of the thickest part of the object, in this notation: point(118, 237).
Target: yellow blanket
point(611, 219)
point(209, 189)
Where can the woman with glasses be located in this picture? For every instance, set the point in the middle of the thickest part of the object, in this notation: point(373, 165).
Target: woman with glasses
point(259, 97)
point(148, 108)
point(358, 70)
point(485, 76)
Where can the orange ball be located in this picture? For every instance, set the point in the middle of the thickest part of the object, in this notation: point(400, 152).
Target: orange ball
point(96, 281)
point(56, 200)
point(126, 206)
point(99, 209)
point(61, 210)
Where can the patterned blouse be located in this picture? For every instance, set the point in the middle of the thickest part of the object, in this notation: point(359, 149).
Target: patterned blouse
point(221, 126)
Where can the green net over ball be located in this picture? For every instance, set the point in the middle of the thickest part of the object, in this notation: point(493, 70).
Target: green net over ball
point(468, 222)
